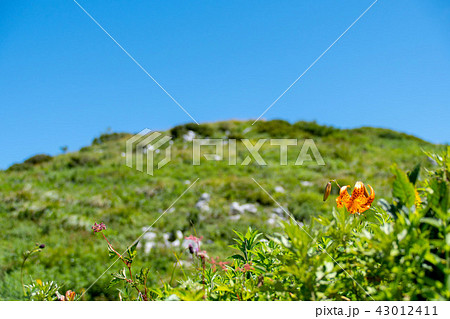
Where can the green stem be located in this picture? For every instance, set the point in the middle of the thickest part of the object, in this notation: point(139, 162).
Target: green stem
point(203, 276)
point(25, 257)
point(21, 275)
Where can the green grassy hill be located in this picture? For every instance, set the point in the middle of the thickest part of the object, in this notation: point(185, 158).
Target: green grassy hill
point(55, 200)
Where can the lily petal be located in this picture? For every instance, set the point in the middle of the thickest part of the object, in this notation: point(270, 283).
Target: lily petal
point(343, 197)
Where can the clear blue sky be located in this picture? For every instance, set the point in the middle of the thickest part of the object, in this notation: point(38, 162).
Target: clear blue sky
point(63, 81)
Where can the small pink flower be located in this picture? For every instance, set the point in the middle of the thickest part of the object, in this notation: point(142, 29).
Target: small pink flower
point(194, 239)
point(248, 267)
point(245, 268)
point(98, 227)
point(223, 264)
point(214, 263)
point(193, 244)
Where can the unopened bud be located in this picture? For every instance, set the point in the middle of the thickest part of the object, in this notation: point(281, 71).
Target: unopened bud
point(327, 191)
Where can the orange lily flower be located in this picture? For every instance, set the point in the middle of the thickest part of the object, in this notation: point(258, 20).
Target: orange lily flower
point(359, 202)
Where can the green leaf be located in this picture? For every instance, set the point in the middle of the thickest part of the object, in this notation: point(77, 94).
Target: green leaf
point(432, 222)
point(241, 236)
point(223, 288)
point(113, 281)
point(403, 189)
point(238, 257)
point(435, 260)
point(414, 174)
point(447, 239)
point(402, 235)
point(111, 253)
point(142, 276)
point(131, 251)
point(120, 275)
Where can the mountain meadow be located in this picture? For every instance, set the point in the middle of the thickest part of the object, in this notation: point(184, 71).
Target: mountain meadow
point(217, 231)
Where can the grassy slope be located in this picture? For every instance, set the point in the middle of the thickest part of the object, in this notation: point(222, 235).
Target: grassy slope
point(56, 202)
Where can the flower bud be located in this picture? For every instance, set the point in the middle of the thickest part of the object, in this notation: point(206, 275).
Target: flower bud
point(327, 191)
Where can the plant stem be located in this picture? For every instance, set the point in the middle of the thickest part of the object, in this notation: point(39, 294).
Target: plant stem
point(21, 274)
point(112, 248)
point(129, 268)
point(145, 289)
point(181, 266)
point(25, 257)
point(203, 277)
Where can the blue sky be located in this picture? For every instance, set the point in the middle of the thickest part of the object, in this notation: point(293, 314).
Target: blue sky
point(64, 82)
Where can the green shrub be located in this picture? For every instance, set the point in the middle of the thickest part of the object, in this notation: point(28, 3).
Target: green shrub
point(81, 160)
point(38, 159)
point(203, 130)
point(315, 129)
point(20, 167)
point(30, 162)
point(108, 137)
point(385, 133)
point(275, 128)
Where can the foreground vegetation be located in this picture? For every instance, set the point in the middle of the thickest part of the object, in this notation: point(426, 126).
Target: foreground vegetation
point(396, 250)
